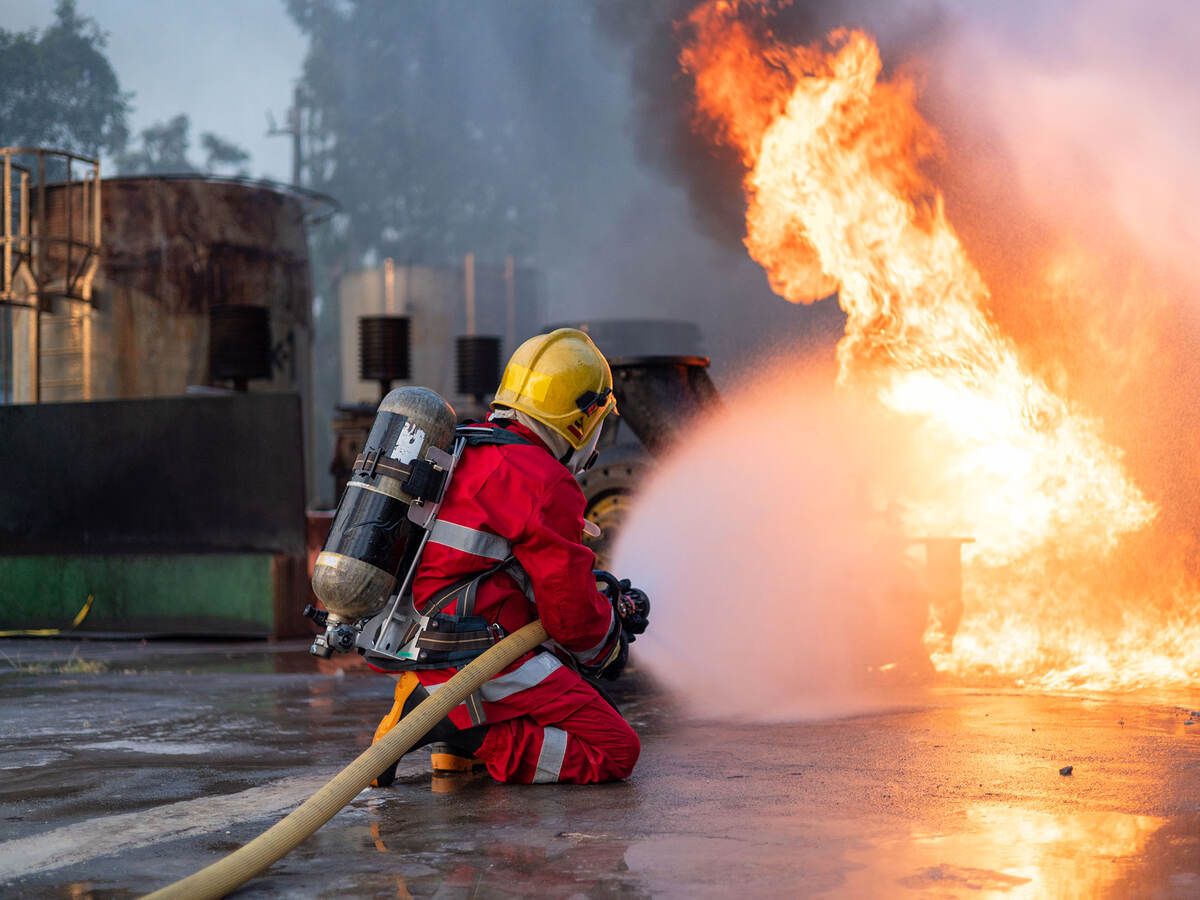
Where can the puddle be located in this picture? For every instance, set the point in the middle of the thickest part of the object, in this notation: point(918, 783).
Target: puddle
point(29, 759)
point(162, 748)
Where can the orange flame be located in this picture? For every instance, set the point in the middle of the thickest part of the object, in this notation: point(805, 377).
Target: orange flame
point(836, 198)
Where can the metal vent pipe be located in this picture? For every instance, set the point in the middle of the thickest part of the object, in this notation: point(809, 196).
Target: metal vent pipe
point(477, 364)
point(239, 343)
point(384, 350)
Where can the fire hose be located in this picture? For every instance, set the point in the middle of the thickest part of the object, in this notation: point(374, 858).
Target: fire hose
point(234, 870)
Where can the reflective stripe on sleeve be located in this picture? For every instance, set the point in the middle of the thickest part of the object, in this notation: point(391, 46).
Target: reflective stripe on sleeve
point(586, 657)
point(469, 540)
point(550, 760)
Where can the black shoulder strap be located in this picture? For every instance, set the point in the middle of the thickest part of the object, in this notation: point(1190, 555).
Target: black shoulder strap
point(477, 435)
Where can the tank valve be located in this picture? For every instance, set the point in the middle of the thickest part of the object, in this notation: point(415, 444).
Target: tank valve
point(320, 647)
point(340, 636)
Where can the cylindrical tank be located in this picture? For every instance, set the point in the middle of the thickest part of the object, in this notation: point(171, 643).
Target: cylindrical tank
point(172, 248)
point(355, 572)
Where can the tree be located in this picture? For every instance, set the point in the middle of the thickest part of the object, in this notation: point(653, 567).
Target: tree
point(59, 89)
point(445, 128)
point(223, 153)
point(164, 151)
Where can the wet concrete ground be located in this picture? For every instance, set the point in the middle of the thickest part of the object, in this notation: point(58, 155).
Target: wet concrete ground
point(126, 766)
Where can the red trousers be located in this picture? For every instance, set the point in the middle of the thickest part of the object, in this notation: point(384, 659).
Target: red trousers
point(575, 738)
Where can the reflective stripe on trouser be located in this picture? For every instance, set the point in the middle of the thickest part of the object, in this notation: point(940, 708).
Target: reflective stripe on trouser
point(550, 760)
point(576, 738)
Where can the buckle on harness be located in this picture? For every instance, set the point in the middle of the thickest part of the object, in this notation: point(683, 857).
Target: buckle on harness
point(367, 467)
point(425, 480)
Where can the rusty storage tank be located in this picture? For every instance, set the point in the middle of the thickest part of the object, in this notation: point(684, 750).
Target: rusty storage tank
point(174, 248)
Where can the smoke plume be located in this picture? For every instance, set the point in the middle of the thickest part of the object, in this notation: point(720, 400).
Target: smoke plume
point(780, 586)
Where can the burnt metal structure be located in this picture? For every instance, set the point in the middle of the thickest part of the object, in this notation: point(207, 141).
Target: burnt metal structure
point(50, 235)
point(657, 395)
point(185, 510)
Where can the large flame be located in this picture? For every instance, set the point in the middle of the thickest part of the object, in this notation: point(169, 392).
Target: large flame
point(1055, 592)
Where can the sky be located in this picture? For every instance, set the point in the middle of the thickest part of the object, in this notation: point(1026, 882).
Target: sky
point(225, 63)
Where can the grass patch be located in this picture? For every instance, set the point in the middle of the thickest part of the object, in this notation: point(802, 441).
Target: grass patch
point(81, 667)
point(74, 665)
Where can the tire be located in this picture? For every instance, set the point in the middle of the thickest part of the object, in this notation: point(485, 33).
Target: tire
point(609, 488)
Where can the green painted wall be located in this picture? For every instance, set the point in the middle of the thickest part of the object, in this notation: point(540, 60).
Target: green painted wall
point(167, 593)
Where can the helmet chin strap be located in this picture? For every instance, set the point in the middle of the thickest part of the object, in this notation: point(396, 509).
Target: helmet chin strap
point(579, 461)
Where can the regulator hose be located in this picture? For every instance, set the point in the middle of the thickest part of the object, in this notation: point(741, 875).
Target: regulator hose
point(234, 870)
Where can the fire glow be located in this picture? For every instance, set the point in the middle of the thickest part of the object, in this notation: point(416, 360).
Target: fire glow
point(1054, 592)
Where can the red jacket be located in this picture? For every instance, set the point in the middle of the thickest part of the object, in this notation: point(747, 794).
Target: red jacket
point(523, 495)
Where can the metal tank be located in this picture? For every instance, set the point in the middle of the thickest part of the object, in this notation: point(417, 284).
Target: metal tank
point(176, 247)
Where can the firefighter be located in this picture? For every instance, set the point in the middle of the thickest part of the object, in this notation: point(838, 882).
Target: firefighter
point(507, 547)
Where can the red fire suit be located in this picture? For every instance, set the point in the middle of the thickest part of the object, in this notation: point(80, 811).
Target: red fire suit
point(546, 724)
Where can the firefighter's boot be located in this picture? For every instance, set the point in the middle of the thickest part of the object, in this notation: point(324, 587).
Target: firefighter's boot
point(409, 694)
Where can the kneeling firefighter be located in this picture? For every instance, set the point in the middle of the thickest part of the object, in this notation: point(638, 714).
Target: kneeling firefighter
point(506, 549)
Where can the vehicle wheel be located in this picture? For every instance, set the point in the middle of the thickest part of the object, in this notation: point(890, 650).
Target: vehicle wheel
point(609, 488)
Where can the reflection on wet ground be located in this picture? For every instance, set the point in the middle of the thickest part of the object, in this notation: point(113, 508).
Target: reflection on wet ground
point(1027, 853)
point(127, 765)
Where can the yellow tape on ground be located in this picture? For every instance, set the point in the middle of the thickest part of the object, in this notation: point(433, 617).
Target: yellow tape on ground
point(51, 632)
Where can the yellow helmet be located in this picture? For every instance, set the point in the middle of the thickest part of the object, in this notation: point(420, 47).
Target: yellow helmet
point(562, 380)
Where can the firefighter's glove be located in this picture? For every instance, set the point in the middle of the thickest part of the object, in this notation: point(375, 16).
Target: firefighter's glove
point(633, 609)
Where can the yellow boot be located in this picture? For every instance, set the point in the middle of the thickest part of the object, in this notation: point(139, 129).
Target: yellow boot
point(446, 759)
point(405, 685)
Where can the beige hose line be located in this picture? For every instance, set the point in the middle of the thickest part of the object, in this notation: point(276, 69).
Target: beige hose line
point(234, 870)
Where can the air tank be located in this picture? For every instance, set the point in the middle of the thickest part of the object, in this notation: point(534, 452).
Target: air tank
point(355, 572)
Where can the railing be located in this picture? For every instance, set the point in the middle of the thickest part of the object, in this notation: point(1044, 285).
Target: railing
point(49, 250)
point(50, 234)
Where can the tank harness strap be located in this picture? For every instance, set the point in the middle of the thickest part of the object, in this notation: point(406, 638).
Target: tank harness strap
point(473, 540)
point(462, 631)
point(521, 577)
point(456, 639)
point(478, 435)
point(420, 479)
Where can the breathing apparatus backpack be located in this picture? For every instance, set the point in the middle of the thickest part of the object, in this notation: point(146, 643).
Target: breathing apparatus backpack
point(404, 638)
point(388, 513)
